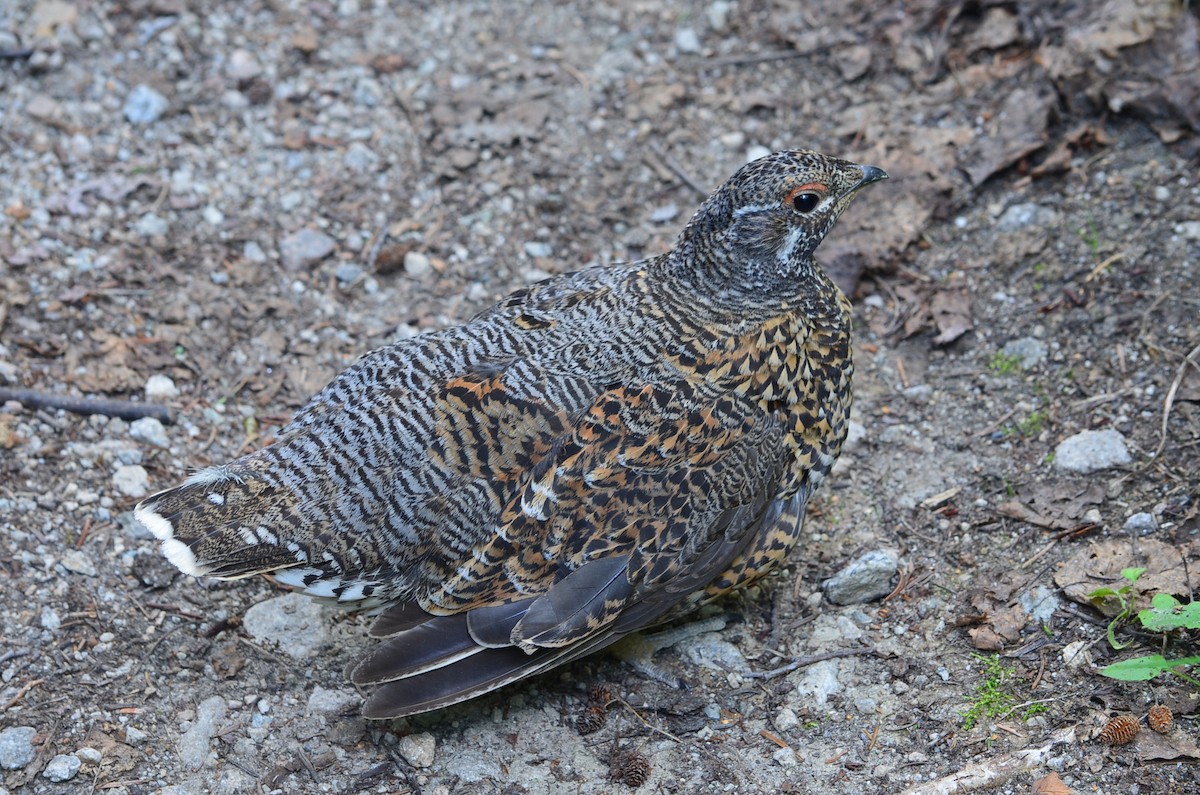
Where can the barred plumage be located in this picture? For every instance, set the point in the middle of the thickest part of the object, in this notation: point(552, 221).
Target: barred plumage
point(592, 454)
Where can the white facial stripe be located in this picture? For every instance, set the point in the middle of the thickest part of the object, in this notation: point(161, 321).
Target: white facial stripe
point(753, 208)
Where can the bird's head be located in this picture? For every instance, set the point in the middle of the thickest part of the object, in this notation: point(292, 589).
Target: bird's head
point(763, 225)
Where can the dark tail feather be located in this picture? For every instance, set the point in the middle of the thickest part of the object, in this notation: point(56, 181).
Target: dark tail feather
point(441, 641)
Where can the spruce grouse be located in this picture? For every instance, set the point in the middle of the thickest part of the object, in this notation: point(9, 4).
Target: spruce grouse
point(593, 454)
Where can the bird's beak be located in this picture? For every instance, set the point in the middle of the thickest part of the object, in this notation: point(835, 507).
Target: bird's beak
point(870, 174)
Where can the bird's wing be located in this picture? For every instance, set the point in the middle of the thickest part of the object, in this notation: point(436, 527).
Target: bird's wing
point(646, 499)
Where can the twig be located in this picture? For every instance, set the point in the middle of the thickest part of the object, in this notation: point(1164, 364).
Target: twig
point(21, 694)
point(380, 238)
point(678, 170)
point(801, 662)
point(169, 608)
point(994, 771)
point(995, 426)
point(1169, 401)
point(125, 409)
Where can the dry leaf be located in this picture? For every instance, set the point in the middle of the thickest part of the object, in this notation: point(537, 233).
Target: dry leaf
point(1051, 785)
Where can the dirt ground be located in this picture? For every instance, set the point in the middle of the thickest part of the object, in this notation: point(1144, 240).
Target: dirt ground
point(242, 197)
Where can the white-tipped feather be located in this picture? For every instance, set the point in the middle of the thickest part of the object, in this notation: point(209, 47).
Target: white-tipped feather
point(180, 554)
point(154, 522)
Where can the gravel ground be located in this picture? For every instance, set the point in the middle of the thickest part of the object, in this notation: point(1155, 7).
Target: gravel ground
point(215, 206)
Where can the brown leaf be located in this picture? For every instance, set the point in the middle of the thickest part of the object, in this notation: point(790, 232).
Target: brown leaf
point(1051, 785)
point(1017, 129)
point(951, 309)
point(1099, 566)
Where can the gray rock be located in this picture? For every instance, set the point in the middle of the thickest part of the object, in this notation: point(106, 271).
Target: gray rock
point(664, 213)
point(347, 272)
point(135, 736)
point(785, 757)
point(144, 105)
point(417, 749)
point(417, 264)
point(1090, 451)
point(1141, 523)
point(709, 651)
point(16, 747)
point(242, 65)
point(149, 430)
point(78, 561)
point(687, 41)
point(253, 252)
point(151, 225)
point(359, 158)
point(325, 701)
point(864, 580)
point(193, 745)
point(62, 767)
point(786, 720)
point(294, 622)
point(1020, 216)
point(305, 247)
point(538, 249)
point(160, 387)
point(89, 755)
point(132, 481)
point(1190, 230)
point(1029, 351)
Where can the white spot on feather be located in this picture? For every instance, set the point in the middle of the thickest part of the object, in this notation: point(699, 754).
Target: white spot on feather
point(155, 522)
point(181, 556)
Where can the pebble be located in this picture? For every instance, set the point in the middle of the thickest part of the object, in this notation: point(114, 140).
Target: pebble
point(76, 560)
point(709, 651)
point(863, 580)
point(194, 744)
point(417, 749)
point(1162, 193)
point(253, 252)
point(151, 225)
point(1020, 216)
point(718, 14)
point(160, 387)
point(785, 757)
point(1090, 451)
point(1141, 523)
point(1029, 351)
point(360, 159)
point(149, 430)
point(132, 481)
point(664, 213)
point(50, 619)
point(89, 755)
point(347, 272)
point(417, 264)
point(1190, 230)
point(294, 622)
point(305, 247)
point(134, 735)
point(62, 767)
point(1077, 654)
point(16, 747)
point(242, 65)
point(686, 40)
point(786, 720)
point(538, 249)
point(144, 105)
point(326, 701)
point(756, 152)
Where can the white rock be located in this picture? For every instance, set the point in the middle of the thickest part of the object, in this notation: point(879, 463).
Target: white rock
point(149, 430)
point(62, 768)
point(786, 720)
point(686, 40)
point(294, 622)
point(16, 747)
point(78, 561)
point(89, 755)
point(194, 744)
point(242, 65)
point(132, 481)
point(417, 749)
point(1089, 451)
point(785, 757)
point(144, 105)
point(417, 264)
point(1077, 654)
point(867, 578)
point(160, 387)
point(325, 701)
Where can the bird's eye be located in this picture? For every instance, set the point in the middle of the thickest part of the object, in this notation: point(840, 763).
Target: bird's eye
point(806, 201)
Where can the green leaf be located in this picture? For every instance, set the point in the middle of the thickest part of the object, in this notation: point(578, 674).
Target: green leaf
point(1141, 669)
point(1132, 574)
point(1167, 613)
point(1100, 594)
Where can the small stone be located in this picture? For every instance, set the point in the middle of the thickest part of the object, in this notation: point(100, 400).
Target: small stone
point(325, 701)
point(864, 580)
point(709, 651)
point(62, 767)
point(305, 247)
point(293, 622)
point(756, 152)
point(151, 225)
point(417, 264)
point(360, 159)
point(786, 720)
point(149, 430)
point(1077, 654)
point(135, 736)
point(1162, 193)
point(144, 105)
point(686, 40)
point(254, 252)
point(1029, 351)
point(194, 744)
point(785, 757)
point(718, 14)
point(664, 213)
point(1189, 230)
point(89, 755)
point(1140, 523)
point(417, 749)
point(132, 481)
point(1090, 451)
point(160, 387)
point(213, 215)
point(347, 272)
point(16, 747)
point(50, 619)
point(1021, 216)
point(242, 65)
point(77, 560)
point(538, 249)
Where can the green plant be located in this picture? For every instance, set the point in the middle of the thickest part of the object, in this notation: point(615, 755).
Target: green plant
point(1091, 236)
point(1124, 596)
point(1166, 614)
point(1032, 424)
point(991, 694)
point(1004, 364)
